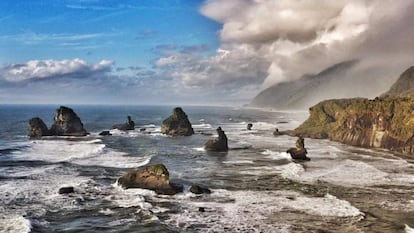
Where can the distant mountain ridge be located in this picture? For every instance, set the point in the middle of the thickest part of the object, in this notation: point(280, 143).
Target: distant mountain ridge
point(404, 86)
point(303, 92)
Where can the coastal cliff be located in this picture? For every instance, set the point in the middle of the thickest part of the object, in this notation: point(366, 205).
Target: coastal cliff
point(384, 122)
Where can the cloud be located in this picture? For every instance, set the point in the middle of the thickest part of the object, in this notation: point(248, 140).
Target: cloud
point(264, 42)
point(52, 69)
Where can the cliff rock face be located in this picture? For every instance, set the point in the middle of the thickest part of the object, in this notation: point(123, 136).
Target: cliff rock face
point(177, 124)
point(67, 123)
point(383, 123)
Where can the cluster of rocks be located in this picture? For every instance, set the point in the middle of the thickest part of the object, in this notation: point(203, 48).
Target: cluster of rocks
point(65, 123)
point(129, 125)
point(157, 178)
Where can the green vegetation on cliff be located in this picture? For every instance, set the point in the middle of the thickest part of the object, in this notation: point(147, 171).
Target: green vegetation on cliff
point(382, 122)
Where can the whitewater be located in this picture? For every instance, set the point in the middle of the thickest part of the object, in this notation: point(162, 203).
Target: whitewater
point(256, 186)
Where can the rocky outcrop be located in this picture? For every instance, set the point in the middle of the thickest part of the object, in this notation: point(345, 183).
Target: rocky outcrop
point(66, 190)
point(197, 189)
point(249, 126)
point(217, 144)
point(382, 123)
point(67, 123)
point(177, 124)
point(299, 152)
point(105, 133)
point(37, 128)
point(155, 177)
point(129, 125)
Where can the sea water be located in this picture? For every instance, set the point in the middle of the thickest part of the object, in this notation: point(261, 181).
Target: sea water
point(256, 187)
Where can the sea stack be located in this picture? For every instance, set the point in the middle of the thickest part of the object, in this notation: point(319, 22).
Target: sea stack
point(67, 123)
point(130, 125)
point(218, 144)
point(299, 153)
point(37, 128)
point(177, 124)
point(154, 177)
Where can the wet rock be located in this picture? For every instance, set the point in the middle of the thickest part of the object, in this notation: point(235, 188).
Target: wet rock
point(154, 177)
point(67, 123)
point(105, 133)
point(37, 128)
point(66, 190)
point(142, 129)
point(196, 189)
point(129, 125)
point(299, 153)
point(217, 144)
point(277, 132)
point(177, 124)
point(249, 126)
point(201, 209)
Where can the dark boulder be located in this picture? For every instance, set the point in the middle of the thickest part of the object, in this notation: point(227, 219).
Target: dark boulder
point(249, 126)
point(129, 125)
point(105, 133)
point(67, 123)
point(300, 152)
point(66, 190)
point(155, 177)
point(177, 124)
point(37, 128)
point(219, 143)
point(276, 132)
point(196, 189)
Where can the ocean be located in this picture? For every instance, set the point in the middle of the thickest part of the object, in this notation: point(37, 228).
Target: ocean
point(256, 187)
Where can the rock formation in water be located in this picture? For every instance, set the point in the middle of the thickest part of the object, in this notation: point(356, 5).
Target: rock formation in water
point(155, 177)
point(129, 125)
point(37, 128)
point(249, 126)
point(384, 122)
point(299, 152)
point(217, 144)
point(177, 124)
point(67, 123)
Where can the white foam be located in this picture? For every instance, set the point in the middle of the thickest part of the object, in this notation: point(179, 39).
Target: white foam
point(255, 211)
point(199, 149)
point(14, 224)
point(127, 198)
point(91, 152)
point(239, 162)
point(408, 229)
point(202, 126)
point(276, 155)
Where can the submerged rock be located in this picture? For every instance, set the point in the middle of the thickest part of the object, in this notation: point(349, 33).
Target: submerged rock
point(196, 189)
point(105, 133)
point(67, 123)
point(177, 124)
point(300, 152)
point(154, 177)
point(37, 128)
point(66, 190)
point(219, 143)
point(130, 125)
point(277, 132)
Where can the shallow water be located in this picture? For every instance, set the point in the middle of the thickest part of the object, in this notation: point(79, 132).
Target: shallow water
point(256, 186)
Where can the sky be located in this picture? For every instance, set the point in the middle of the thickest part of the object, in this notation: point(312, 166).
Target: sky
point(203, 52)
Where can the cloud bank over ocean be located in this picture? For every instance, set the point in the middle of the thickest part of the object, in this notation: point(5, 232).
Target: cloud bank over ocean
point(261, 43)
